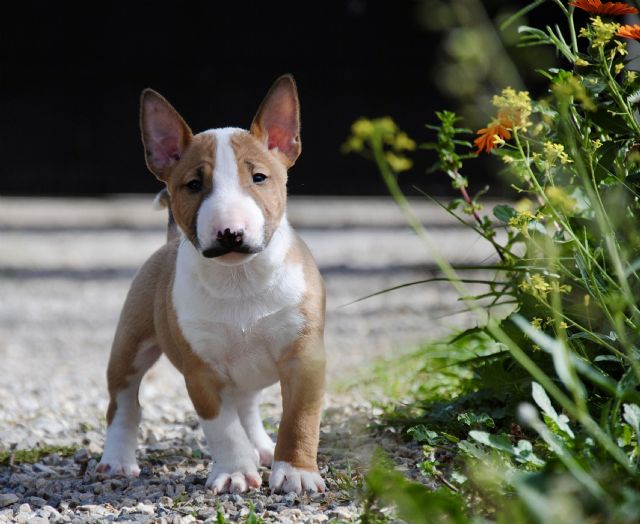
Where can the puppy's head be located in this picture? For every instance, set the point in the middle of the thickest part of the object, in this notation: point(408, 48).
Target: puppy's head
point(227, 186)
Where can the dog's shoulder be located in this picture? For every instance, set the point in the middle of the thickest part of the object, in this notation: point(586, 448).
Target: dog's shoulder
point(300, 254)
point(158, 269)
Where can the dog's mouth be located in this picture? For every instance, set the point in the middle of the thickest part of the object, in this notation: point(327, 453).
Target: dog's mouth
point(219, 250)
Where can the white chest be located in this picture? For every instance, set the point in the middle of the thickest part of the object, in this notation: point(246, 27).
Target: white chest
point(238, 320)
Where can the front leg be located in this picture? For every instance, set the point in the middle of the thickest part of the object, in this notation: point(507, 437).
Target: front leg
point(302, 379)
point(248, 404)
point(235, 462)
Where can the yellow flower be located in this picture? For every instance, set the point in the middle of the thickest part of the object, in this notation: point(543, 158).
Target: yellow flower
point(524, 285)
point(386, 124)
point(560, 200)
point(621, 48)
point(398, 163)
point(403, 142)
point(513, 107)
point(572, 87)
point(498, 141)
point(563, 325)
point(618, 67)
point(561, 288)
point(523, 218)
point(540, 287)
point(507, 159)
point(362, 128)
point(581, 62)
point(353, 143)
point(554, 152)
point(523, 205)
point(536, 322)
point(537, 129)
point(600, 33)
point(597, 143)
point(631, 76)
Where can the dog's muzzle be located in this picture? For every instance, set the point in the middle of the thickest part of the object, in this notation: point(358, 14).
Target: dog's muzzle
point(229, 242)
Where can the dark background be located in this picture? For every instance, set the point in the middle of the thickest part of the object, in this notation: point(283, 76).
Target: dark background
point(72, 74)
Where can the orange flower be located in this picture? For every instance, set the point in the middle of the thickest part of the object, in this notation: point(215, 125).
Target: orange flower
point(486, 140)
point(596, 7)
point(629, 31)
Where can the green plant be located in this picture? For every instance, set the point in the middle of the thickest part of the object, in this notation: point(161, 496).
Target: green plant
point(251, 518)
point(33, 455)
point(567, 261)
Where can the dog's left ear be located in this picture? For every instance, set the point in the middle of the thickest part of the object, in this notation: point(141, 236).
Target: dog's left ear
point(277, 122)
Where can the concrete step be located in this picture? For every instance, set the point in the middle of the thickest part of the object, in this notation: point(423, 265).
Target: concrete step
point(135, 212)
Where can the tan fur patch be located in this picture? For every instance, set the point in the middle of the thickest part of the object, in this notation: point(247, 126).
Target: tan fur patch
point(197, 163)
point(136, 324)
point(253, 157)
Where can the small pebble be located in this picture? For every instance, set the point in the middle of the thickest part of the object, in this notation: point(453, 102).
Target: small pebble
point(37, 502)
point(41, 468)
point(7, 499)
point(82, 455)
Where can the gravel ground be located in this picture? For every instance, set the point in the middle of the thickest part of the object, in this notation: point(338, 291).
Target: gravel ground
point(65, 267)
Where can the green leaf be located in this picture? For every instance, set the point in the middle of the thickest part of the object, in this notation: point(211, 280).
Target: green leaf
point(471, 419)
point(544, 403)
point(504, 212)
point(415, 502)
point(611, 123)
point(523, 451)
point(220, 516)
point(631, 415)
point(559, 352)
point(422, 434)
point(471, 449)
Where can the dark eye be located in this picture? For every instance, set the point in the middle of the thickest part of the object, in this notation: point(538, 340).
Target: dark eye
point(194, 185)
point(259, 178)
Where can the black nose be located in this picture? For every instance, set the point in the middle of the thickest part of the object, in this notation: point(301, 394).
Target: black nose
point(230, 239)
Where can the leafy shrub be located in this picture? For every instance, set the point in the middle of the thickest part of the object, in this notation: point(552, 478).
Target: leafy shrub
point(568, 259)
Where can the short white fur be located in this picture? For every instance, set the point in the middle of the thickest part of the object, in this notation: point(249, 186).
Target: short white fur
point(239, 319)
point(286, 478)
point(235, 462)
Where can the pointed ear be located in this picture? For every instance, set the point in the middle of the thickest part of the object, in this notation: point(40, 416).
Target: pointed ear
point(165, 134)
point(277, 122)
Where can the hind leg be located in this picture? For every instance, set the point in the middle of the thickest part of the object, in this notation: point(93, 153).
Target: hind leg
point(128, 364)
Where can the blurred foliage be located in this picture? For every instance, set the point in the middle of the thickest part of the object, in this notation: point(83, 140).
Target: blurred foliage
point(475, 58)
point(547, 426)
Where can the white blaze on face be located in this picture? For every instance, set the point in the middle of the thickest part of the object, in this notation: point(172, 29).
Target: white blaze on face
point(228, 206)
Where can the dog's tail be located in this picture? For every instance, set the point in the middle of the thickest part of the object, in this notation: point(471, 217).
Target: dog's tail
point(163, 200)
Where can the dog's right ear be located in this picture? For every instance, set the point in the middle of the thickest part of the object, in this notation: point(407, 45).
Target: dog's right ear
point(165, 134)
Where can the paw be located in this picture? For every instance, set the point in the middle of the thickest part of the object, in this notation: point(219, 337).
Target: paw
point(286, 479)
point(118, 467)
point(226, 480)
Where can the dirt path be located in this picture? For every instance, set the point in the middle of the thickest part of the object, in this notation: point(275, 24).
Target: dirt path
point(65, 267)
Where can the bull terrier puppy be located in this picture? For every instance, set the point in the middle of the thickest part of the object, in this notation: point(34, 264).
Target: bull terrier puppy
point(234, 299)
